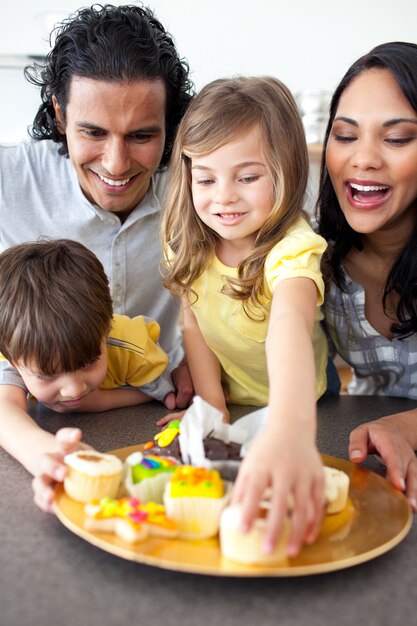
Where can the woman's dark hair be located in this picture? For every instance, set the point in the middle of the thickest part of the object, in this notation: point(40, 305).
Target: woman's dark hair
point(114, 43)
point(400, 58)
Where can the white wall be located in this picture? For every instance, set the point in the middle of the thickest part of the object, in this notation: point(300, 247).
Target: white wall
point(306, 44)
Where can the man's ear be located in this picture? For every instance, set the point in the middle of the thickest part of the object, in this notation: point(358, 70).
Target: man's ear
point(59, 116)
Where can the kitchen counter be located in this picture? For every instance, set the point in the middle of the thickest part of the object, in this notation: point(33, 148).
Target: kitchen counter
point(49, 576)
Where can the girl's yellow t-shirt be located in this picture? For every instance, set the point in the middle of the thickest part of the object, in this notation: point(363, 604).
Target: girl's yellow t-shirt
point(238, 341)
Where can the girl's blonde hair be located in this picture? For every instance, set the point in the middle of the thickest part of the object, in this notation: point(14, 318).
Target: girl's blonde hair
point(223, 111)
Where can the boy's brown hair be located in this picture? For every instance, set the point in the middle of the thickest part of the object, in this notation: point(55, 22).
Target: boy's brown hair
point(55, 305)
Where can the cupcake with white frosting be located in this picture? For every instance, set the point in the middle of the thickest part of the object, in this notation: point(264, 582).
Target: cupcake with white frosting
point(92, 475)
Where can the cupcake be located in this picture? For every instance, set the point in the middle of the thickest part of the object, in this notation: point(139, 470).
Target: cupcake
point(92, 475)
point(129, 519)
point(146, 476)
point(194, 497)
point(335, 490)
point(247, 548)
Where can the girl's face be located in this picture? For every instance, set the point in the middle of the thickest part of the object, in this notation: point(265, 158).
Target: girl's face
point(371, 155)
point(233, 191)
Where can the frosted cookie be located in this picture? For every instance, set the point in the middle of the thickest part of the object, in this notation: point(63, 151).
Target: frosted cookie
point(146, 476)
point(92, 475)
point(129, 519)
point(195, 497)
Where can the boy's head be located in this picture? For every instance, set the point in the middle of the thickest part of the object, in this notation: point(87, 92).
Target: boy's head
point(55, 306)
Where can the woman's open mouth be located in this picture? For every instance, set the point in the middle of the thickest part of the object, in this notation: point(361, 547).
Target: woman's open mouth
point(367, 196)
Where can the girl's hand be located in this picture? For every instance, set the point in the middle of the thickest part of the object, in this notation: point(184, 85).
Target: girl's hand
point(292, 468)
point(385, 438)
point(52, 466)
point(170, 418)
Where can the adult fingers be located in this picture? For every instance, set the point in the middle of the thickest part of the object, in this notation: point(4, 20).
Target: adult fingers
point(170, 401)
point(358, 444)
point(411, 482)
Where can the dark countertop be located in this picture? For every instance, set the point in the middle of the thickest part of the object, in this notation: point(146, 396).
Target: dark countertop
point(50, 576)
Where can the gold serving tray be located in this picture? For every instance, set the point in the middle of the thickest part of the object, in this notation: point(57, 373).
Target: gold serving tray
point(376, 519)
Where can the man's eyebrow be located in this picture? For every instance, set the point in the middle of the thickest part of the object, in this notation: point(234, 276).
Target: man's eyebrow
point(154, 128)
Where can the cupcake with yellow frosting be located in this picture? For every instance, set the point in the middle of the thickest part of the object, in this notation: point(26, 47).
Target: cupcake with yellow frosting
point(92, 475)
point(194, 497)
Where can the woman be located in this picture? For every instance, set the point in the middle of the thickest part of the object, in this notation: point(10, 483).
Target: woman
point(368, 214)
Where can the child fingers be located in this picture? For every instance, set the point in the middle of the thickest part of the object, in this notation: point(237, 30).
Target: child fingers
point(68, 439)
point(276, 518)
point(169, 418)
point(249, 496)
point(299, 522)
point(307, 512)
point(43, 493)
point(315, 514)
point(51, 468)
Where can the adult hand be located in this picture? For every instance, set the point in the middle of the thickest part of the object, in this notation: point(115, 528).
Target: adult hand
point(181, 378)
point(386, 438)
point(52, 466)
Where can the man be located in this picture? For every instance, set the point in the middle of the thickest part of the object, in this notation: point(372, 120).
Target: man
point(113, 91)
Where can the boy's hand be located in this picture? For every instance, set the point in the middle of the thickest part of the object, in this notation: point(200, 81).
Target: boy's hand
point(384, 438)
point(53, 469)
point(292, 468)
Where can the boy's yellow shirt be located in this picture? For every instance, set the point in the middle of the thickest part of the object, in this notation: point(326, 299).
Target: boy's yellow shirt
point(133, 356)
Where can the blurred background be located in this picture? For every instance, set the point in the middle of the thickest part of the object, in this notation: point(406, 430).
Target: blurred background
point(306, 44)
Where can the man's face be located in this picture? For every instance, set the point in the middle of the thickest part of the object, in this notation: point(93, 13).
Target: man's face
point(116, 136)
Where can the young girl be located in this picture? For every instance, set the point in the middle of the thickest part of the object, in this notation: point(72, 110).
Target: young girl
point(247, 266)
point(368, 213)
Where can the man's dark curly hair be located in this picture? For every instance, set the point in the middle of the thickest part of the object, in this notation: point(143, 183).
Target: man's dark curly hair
point(113, 43)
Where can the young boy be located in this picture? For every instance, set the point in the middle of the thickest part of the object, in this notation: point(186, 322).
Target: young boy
point(60, 342)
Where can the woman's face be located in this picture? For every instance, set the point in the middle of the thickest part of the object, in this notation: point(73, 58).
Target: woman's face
point(371, 155)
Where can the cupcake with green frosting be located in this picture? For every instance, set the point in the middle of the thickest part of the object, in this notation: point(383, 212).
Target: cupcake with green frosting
point(146, 476)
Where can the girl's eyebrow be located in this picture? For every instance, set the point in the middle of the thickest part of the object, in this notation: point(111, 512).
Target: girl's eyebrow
point(244, 164)
point(393, 122)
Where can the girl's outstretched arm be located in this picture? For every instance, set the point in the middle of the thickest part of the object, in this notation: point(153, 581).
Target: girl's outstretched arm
point(284, 456)
point(204, 365)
